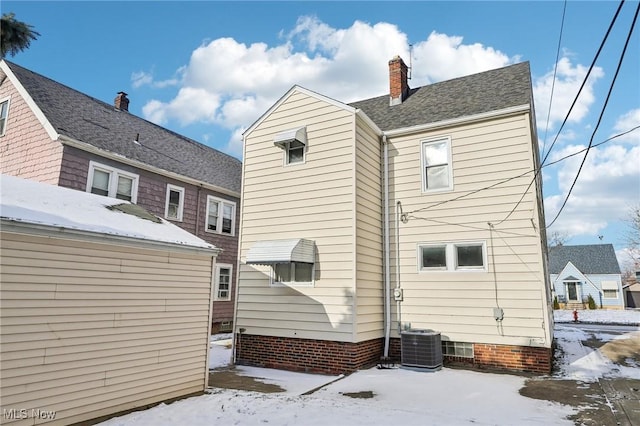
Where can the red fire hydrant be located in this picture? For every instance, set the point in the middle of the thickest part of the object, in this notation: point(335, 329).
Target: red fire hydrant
point(575, 315)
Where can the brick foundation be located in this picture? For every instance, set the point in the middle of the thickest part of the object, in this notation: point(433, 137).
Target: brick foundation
point(329, 357)
point(514, 358)
point(307, 355)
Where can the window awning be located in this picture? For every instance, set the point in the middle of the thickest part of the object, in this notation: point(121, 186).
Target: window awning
point(609, 285)
point(571, 278)
point(282, 251)
point(298, 134)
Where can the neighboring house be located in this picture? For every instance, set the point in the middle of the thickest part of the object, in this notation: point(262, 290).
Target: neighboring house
point(54, 134)
point(104, 306)
point(326, 283)
point(578, 272)
point(631, 292)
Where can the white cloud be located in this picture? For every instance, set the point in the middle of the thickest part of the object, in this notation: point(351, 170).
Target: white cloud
point(142, 78)
point(608, 181)
point(568, 80)
point(442, 57)
point(628, 121)
point(231, 84)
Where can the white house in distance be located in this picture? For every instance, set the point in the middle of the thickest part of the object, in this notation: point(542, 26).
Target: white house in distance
point(578, 272)
point(401, 212)
point(104, 307)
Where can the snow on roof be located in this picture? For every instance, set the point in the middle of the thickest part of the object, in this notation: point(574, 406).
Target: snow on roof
point(28, 202)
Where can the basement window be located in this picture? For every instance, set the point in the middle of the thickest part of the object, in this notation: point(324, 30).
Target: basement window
point(459, 349)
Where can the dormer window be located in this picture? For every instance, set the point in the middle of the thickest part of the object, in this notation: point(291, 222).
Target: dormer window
point(294, 144)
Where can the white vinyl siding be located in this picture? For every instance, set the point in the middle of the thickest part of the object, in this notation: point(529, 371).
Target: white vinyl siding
point(112, 182)
point(460, 305)
point(91, 329)
point(174, 204)
point(314, 202)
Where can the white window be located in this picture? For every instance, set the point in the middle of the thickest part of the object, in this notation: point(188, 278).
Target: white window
point(436, 165)
point(293, 273)
point(112, 182)
point(221, 216)
point(466, 256)
point(610, 294)
point(223, 282)
point(175, 203)
point(4, 113)
point(294, 152)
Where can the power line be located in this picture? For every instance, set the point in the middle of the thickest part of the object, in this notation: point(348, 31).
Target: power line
point(575, 100)
point(604, 107)
point(493, 185)
point(555, 71)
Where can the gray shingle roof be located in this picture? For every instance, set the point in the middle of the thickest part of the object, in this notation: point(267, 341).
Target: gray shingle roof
point(470, 95)
point(589, 259)
point(100, 124)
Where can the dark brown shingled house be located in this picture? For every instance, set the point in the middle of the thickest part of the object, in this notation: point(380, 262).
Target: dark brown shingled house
point(54, 134)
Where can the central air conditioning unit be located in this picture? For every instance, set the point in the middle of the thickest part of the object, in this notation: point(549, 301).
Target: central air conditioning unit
point(421, 349)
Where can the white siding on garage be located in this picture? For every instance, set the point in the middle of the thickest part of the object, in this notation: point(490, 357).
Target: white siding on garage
point(315, 201)
point(460, 304)
point(90, 329)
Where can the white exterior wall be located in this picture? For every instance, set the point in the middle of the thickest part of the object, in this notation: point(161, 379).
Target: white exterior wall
point(315, 201)
point(90, 329)
point(369, 233)
point(460, 304)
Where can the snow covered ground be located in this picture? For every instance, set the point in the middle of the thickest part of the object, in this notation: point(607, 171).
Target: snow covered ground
point(398, 396)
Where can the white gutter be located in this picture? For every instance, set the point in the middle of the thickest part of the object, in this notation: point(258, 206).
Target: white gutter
point(387, 257)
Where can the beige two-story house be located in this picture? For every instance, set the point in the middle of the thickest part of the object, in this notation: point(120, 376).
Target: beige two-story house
point(414, 213)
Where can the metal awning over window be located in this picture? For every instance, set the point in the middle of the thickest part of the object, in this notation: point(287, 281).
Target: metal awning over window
point(298, 134)
point(609, 285)
point(282, 251)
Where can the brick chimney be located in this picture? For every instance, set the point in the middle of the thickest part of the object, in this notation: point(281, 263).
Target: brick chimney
point(398, 83)
point(121, 102)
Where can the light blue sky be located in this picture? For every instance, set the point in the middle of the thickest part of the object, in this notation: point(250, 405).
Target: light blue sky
point(208, 69)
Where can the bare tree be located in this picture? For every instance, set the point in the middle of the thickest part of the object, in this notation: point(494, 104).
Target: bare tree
point(557, 238)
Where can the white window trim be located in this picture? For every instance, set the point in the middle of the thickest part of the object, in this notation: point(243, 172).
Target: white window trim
point(180, 190)
point(286, 155)
point(610, 298)
point(275, 283)
point(221, 202)
point(3, 131)
point(217, 281)
point(423, 165)
point(113, 182)
point(451, 258)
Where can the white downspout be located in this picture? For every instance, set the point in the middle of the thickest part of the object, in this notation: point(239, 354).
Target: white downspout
point(398, 290)
point(387, 257)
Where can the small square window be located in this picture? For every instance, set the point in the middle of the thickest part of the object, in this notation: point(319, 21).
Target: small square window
point(295, 152)
point(434, 257)
point(469, 256)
